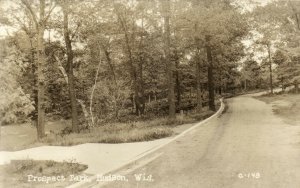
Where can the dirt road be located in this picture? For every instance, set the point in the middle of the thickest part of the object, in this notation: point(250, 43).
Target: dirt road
point(248, 146)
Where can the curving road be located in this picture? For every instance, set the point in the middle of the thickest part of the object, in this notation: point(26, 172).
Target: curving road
point(248, 146)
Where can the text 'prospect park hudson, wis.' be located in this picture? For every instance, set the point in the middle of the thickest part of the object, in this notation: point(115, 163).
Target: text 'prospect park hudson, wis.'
point(149, 93)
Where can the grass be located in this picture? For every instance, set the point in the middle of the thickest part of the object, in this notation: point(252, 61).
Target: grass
point(16, 173)
point(285, 105)
point(115, 134)
point(127, 132)
point(24, 136)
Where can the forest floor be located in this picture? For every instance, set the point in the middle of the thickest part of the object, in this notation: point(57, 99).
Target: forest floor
point(286, 106)
point(17, 137)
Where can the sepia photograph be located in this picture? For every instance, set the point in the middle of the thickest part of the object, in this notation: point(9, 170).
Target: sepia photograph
point(149, 94)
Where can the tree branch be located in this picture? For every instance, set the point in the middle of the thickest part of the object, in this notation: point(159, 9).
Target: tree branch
point(62, 69)
point(25, 2)
point(75, 32)
point(49, 13)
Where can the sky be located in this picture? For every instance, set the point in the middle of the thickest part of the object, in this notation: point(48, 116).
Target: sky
point(5, 30)
point(247, 5)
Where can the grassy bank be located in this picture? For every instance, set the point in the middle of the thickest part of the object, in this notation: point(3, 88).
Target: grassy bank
point(286, 106)
point(21, 137)
point(16, 173)
point(126, 132)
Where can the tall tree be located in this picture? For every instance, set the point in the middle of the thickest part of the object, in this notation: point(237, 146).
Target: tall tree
point(40, 19)
point(210, 77)
point(127, 22)
point(169, 63)
point(70, 56)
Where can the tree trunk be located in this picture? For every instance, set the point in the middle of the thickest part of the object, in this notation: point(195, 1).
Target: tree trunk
point(70, 56)
point(282, 84)
point(170, 66)
point(113, 73)
point(211, 93)
point(140, 70)
point(296, 87)
point(178, 89)
point(139, 97)
point(132, 68)
point(85, 113)
point(34, 97)
point(132, 102)
point(198, 85)
point(110, 64)
point(93, 91)
point(198, 76)
point(136, 95)
point(40, 73)
point(270, 69)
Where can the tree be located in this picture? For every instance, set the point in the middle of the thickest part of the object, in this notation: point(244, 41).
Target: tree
point(70, 55)
point(129, 27)
point(278, 22)
point(112, 56)
point(169, 63)
point(267, 44)
point(251, 74)
point(211, 86)
point(40, 20)
point(287, 70)
point(215, 34)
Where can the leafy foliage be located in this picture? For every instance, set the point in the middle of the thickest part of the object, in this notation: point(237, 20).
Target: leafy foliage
point(15, 105)
point(121, 61)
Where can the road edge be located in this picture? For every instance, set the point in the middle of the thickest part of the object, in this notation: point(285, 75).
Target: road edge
point(138, 157)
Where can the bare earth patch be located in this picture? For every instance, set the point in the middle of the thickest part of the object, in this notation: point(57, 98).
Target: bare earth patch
point(286, 106)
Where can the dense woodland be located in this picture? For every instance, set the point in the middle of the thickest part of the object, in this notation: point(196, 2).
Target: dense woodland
point(99, 61)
